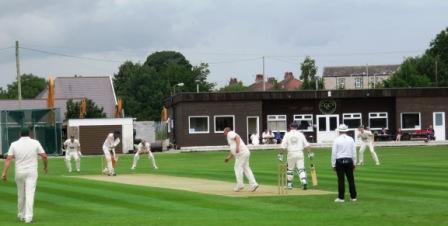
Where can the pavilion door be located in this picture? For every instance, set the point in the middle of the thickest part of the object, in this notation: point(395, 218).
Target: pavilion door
point(326, 128)
point(438, 119)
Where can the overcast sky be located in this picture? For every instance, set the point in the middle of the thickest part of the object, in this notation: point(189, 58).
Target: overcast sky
point(230, 35)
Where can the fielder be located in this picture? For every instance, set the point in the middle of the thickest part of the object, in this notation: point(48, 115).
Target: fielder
point(25, 151)
point(366, 138)
point(241, 153)
point(112, 141)
point(295, 142)
point(142, 148)
point(72, 151)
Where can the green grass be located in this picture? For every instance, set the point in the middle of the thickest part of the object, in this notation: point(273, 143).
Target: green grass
point(409, 188)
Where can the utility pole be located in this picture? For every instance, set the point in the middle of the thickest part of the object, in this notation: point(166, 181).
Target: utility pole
point(19, 83)
point(264, 77)
point(367, 72)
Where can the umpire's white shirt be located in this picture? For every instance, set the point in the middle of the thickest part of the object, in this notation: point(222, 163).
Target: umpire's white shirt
point(25, 151)
point(343, 147)
point(294, 141)
point(231, 139)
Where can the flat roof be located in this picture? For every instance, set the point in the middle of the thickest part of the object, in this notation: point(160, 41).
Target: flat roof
point(305, 94)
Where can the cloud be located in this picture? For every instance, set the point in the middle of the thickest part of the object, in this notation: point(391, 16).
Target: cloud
point(214, 31)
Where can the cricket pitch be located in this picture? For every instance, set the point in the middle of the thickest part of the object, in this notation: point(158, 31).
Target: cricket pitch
point(205, 186)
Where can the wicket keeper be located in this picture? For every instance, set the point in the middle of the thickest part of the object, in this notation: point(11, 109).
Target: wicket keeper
point(142, 148)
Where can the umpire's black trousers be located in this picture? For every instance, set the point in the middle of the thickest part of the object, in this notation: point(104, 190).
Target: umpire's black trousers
point(344, 167)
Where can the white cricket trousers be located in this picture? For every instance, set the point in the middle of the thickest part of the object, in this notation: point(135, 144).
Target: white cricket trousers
point(296, 160)
point(26, 186)
point(72, 155)
point(372, 152)
point(242, 166)
point(108, 156)
point(150, 157)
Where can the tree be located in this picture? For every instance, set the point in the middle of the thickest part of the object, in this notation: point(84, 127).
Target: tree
point(92, 110)
point(409, 75)
point(430, 69)
point(276, 85)
point(3, 93)
point(308, 75)
point(234, 86)
point(144, 87)
point(31, 86)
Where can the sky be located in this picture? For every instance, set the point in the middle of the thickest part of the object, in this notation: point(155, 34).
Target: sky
point(94, 37)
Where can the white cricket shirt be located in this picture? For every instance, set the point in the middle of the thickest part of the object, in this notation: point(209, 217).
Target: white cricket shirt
point(72, 146)
point(366, 136)
point(343, 147)
point(144, 148)
point(294, 141)
point(25, 152)
point(231, 139)
point(110, 142)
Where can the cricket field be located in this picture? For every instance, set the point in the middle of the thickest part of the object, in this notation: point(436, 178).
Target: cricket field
point(410, 187)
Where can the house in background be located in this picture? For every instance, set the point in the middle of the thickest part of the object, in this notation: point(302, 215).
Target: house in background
point(99, 89)
point(356, 77)
point(289, 83)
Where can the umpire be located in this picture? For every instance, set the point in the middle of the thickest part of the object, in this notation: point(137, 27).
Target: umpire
point(343, 158)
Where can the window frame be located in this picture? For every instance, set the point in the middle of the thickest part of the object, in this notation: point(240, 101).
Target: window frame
point(378, 116)
point(277, 120)
point(296, 117)
point(419, 120)
point(359, 82)
point(223, 116)
point(357, 115)
point(198, 116)
point(340, 80)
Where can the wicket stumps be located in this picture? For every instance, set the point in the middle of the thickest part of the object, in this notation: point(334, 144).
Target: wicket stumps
point(281, 176)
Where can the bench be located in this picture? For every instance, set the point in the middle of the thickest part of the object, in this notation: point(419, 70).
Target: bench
point(421, 134)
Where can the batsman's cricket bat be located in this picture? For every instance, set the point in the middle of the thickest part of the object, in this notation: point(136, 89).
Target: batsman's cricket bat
point(313, 175)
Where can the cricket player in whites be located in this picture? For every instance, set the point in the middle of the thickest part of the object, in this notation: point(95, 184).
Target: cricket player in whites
point(111, 142)
point(72, 151)
point(295, 142)
point(241, 153)
point(366, 138)
point(144, 147)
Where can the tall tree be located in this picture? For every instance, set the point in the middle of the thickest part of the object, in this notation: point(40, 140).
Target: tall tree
point(31, 86)
point(92, 110)
point(430, 69)
point(144, 88)
point(308, 76)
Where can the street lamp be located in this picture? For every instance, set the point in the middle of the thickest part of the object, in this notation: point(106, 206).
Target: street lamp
point(197, 86)
point(178, 84)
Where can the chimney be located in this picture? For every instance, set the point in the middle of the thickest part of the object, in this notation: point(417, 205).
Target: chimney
point(271, 80)
point(289, 76)
point(233, 81)
point(259, 78)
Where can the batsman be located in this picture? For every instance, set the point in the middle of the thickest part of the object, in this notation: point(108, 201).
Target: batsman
point(295, 142)
point(111, 142)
